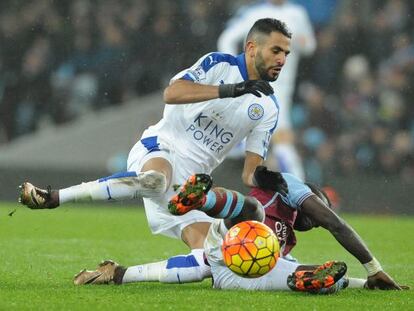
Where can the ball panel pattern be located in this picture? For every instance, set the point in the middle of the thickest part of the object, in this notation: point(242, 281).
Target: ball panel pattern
point(250, 249)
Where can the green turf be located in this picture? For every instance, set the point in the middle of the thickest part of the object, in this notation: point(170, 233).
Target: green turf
point(42, 250)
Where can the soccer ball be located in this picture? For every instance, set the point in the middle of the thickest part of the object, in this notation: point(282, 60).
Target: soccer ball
point(250, 249)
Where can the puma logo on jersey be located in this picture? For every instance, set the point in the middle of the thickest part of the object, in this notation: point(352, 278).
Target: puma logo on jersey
point(212, 61)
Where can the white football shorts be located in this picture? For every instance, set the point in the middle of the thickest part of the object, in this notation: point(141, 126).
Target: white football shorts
point(160, 220)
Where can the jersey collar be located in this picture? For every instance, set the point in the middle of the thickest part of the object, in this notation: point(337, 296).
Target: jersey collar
point(241, 63)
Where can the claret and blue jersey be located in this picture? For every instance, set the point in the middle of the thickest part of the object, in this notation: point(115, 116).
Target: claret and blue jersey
point(205, 132)
point(281, 212)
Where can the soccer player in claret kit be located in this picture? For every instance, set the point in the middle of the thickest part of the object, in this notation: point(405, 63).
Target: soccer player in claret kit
point(210, 107)
point(304, 207)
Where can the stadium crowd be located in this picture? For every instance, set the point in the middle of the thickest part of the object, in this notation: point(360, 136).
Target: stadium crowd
point(352, 110)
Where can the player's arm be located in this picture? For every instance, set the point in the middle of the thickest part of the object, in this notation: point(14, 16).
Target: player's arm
point(256, 175)
point(185, 92)
point(322, 215)
point(251, 162)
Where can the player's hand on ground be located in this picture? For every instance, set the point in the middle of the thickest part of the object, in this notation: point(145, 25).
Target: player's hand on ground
point(382, 280)
point(270, 180)
point(255, 87)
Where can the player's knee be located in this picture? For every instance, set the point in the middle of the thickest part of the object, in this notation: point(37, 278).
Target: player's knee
point(252, 209)
point(194, 234)
point(149, 183)
point(154, 180)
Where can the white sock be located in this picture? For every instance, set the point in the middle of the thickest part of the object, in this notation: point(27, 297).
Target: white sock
point(126, 185)
point(288, 159)
point(145, 273)
point(356, 283)
point(177, 269)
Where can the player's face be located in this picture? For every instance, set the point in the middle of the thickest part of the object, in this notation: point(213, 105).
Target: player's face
point(271, 56)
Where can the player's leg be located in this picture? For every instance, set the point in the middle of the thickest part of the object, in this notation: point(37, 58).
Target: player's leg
point(176, 269)
point(120, 186)
point(356, 283)
point(217, 202)
point(324, 279)
point(149, 174)
point(190, 267)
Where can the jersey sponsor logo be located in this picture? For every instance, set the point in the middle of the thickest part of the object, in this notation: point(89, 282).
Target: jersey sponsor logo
point(281, 233)
point(198, 73)
point(255, 111)
point(209, 133)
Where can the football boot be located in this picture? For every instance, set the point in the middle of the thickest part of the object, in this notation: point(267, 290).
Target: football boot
point(192, 194)
point(324, 276)
point(36, 198)
point(105, 273)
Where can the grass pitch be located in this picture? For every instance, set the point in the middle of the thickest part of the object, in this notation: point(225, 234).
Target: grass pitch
point(42, 250)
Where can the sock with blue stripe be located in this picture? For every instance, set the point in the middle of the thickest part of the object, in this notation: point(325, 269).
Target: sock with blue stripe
point(223, 203)
point(177, 269)
point(120, 186)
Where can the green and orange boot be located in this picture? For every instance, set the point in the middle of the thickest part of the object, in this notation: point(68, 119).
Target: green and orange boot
point(192, 194)
point(322, 277)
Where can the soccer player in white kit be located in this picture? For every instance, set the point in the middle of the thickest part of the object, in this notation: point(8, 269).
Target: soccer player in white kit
point(210, 107)
point(283, 151)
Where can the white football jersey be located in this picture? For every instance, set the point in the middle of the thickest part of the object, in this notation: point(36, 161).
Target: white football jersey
point(205, 132)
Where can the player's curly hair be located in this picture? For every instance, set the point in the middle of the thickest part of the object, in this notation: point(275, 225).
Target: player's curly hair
point(268, 25)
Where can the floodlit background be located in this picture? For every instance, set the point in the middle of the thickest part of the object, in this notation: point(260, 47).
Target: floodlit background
point(80, 80)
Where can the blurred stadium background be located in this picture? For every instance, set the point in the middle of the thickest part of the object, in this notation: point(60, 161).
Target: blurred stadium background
point(80, 80)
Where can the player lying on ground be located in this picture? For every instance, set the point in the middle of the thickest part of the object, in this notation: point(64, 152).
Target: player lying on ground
point(302, 209)
point(286, 275)
point(211, 107)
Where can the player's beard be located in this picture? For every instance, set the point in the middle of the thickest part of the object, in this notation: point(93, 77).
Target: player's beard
point(262, 70)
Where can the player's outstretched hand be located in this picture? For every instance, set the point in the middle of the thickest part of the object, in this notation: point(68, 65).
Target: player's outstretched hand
point(266, 179)
point(254, 87)
point(382, 280)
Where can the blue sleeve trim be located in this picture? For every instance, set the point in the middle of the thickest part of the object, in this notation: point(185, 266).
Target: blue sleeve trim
point(215, 58)
point(151, 143)
point(187, 77)
point(304, 197)
point(118, 175)
point(241, 63)
point(273, 97)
